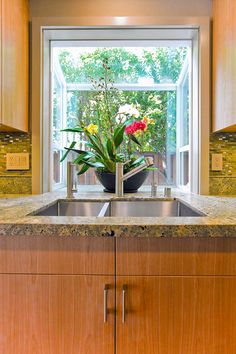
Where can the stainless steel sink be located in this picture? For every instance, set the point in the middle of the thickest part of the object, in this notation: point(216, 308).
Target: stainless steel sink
point(119, 208)
point(72, 208)
point(151, 208)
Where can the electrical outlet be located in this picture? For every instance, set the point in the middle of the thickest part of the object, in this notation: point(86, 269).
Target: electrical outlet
point(216, 162)
point(17, 161)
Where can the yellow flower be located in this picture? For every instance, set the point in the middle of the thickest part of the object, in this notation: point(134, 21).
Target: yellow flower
point(148, 120)
point(92, 128)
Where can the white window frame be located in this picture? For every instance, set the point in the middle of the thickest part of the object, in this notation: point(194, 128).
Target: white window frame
point(197, 29)
point(185, 73)
point(56, 70)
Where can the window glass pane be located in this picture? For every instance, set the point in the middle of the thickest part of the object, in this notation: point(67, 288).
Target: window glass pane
point(146, 77)
point(128, 64)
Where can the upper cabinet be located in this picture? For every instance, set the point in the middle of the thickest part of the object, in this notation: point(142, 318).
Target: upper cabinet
point(224, 65)
point(14, 83)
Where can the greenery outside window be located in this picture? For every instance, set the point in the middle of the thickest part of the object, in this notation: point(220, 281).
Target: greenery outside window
point(154, 79)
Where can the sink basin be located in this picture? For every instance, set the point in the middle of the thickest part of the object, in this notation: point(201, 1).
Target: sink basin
point(72, 208)
point(152, 208)
point(119, 208)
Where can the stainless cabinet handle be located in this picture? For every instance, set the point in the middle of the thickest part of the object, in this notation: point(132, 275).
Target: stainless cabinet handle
point(124, 289)
point(106, 287)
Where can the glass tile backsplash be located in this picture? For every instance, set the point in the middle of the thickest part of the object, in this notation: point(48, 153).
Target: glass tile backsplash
point(223, 182)
point(19, 182)
point(14, 182)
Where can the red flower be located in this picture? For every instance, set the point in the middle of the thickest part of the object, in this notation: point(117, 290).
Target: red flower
point(135, 126)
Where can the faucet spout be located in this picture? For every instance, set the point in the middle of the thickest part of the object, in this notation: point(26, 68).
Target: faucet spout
point(121, 177)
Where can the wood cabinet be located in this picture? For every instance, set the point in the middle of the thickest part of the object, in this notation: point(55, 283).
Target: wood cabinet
point(55, 293)
point(224, 65)
point(14, 65)
point(125, 295)
point(56, 314)
point(172, 315)
point(177, 298)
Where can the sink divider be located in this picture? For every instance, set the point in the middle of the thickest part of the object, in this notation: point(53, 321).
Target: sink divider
point(104, 209)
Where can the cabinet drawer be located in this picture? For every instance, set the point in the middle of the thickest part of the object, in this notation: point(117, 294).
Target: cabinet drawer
point(57, 255)
point(176, 256)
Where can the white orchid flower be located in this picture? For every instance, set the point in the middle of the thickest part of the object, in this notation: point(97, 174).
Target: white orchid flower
point(129, 109)
point(125, 109)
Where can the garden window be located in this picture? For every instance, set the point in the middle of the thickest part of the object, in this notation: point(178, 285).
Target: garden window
point(153, 78)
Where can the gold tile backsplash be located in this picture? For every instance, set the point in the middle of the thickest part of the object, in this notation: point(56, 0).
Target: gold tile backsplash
point(20, 182)
point(14, 182)
point(223, 182)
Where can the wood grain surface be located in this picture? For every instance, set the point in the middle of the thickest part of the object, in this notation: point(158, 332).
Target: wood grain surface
point(176, 256)
point(56, 314)
point(15, 64)
point(177, 315)
point(57, 255)
point(224, 68)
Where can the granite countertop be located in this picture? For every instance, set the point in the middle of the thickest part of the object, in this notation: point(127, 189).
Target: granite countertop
point(220, 219)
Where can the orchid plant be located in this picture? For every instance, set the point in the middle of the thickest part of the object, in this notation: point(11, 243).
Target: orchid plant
point(119, 141)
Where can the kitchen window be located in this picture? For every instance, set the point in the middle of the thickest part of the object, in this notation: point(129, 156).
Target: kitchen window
point(175, 143)
point(154, 78)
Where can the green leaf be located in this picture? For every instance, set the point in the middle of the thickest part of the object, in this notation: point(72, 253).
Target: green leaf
point(83, 152)
point(118, 135)
point(68, 150)
point(73, 130)
point(83, 169)
point(94, 164)
point(110, 148)
point(132, 137)
point(80, 159)
point(98, 148)
point(76, 150)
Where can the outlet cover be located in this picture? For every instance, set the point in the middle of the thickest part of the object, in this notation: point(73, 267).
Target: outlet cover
point(216, 162)
point(17, 161)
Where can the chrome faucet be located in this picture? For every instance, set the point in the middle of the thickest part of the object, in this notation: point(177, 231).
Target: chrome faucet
point(71, 184)
point(121, 177)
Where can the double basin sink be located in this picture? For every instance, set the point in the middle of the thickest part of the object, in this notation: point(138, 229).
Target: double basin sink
point(120, 208)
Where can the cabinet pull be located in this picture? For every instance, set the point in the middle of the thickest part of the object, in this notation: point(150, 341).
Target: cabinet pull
point(106, 287)
point(124, 289)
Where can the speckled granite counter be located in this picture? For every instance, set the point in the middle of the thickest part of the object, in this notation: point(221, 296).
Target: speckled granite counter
point(220, 219)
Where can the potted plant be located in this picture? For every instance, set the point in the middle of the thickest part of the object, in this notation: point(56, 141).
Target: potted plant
point(112, 136)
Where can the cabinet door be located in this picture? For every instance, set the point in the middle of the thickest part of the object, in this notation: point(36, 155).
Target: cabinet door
point(176, 315)
point(224, 72)
point(56, 314)
point(15, 67)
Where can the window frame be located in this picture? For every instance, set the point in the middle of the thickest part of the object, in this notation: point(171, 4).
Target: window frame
point(180, 149)
point(60, 79)
point(40, 80)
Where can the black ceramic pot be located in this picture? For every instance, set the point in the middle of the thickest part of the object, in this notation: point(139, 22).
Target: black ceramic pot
point(131, 185)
